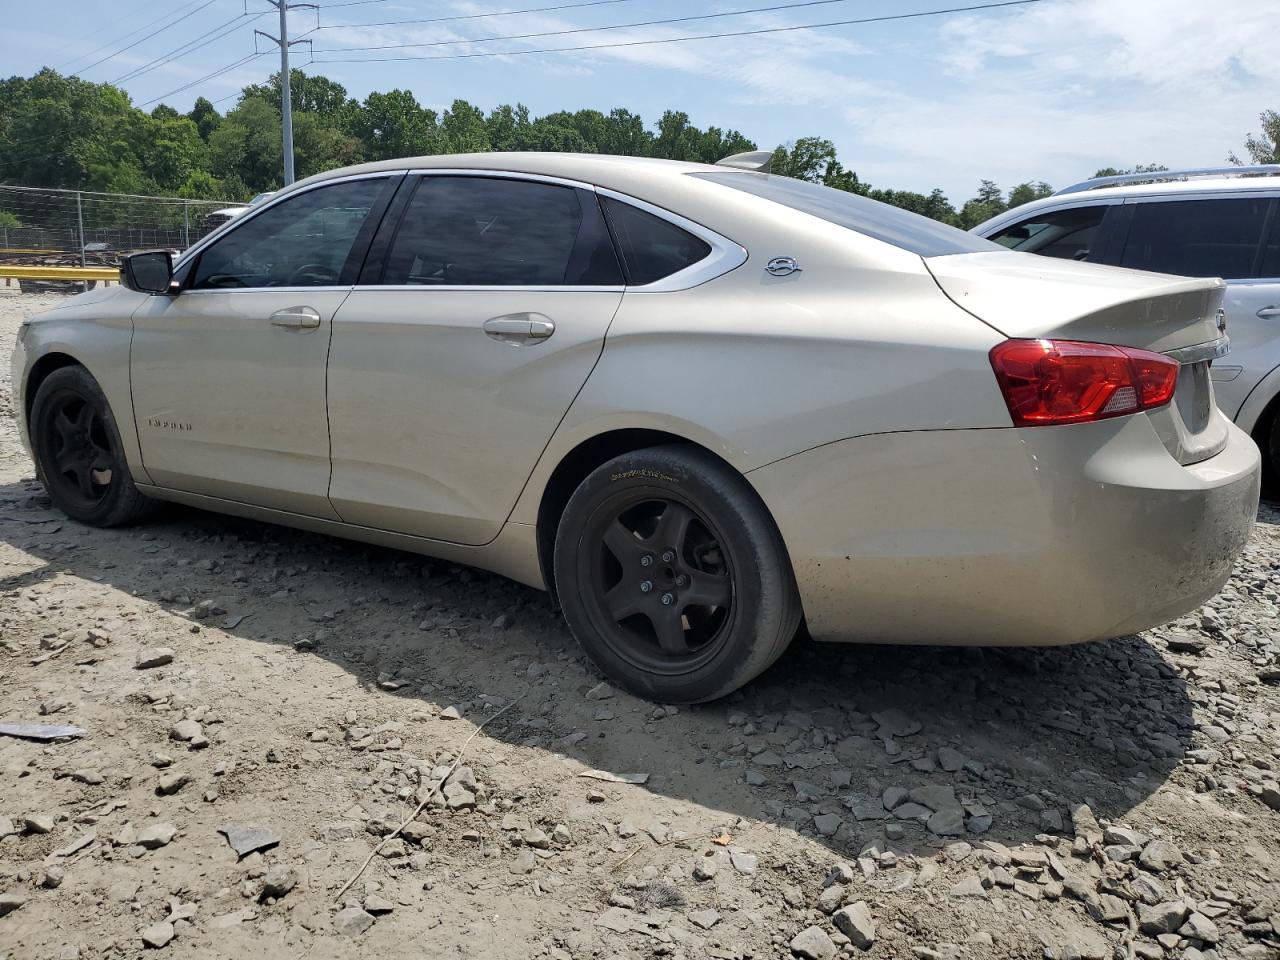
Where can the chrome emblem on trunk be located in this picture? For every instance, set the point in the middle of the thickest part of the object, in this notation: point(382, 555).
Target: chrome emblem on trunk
point(782, 266)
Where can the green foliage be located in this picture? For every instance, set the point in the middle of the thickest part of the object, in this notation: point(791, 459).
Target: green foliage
point(1264, 148)
point(8, 219)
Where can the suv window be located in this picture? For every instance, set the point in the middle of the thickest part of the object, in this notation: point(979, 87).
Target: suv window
point(304, 241)
point(480, 231)
point(1071, 234)
point(652, 248)
point(1196, 238)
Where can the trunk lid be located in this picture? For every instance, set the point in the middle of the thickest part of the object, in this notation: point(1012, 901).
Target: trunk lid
point(1026, 296)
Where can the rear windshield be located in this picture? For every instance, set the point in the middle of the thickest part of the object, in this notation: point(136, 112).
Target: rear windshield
point(906, 230)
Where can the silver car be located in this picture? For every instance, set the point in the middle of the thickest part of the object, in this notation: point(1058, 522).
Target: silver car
point(1218, 222)
point(702, 404)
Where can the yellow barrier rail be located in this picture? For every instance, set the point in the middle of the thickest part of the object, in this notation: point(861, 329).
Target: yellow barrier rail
point(60, 273)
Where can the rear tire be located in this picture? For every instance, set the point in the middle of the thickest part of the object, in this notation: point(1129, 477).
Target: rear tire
point(673, 577)
point(78, 453)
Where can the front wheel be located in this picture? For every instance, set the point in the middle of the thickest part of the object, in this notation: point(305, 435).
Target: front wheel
point(78, 453)
point(673, 576)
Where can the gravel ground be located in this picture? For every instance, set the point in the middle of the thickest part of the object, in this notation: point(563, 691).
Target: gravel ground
point(300, 697)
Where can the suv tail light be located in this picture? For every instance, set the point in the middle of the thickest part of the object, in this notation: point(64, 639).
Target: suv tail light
point(1066, 381)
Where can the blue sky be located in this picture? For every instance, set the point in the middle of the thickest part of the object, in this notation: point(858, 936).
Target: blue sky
point(1047, 91)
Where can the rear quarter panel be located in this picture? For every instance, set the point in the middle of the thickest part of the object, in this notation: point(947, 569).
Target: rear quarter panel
point(757, 368)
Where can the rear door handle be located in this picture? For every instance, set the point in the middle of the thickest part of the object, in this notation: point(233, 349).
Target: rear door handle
point(296, 318)
point(520, 328)
point(1268, 312)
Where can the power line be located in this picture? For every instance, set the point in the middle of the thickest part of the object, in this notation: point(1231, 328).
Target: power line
point(112, 56)
point(560, 33)
point(705, 36)
point(191, 45)
point(208, 76)
point(111, 43)
point(468, 16)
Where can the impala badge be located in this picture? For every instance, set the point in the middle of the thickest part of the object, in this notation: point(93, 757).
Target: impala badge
point(782, 266)
point(1222, 320)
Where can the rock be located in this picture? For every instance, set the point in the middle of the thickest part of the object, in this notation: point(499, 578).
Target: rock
point(1187, 643)
point(1200, 927)
point(458, 797)
point(812, 943)
point(157, 935)
point(830, 899)
point(53, 705)
point(156, 836)
point(352, 921)
point(10, 901)
point(279, 880)
point(601, 691)
point(377, 905)
point(38, 823)
point(1085, 824)
point(705, 869)
point(1271, 796)
point(7, 828)
point(1161, 918)
point(149, 657)
point(245, 839)
point(524, 863)
point(449, 713)
point(936, 797)
point(855, 922)
point(744, 863)
point(706, 919)
point(950, 760)
point(172, 783)
point(185, 730)
point(537, 838)
point(895, 723)
point(1159, 856)
point(947, 823)
point(969, 887)
point(894, 797)
point(827, 824)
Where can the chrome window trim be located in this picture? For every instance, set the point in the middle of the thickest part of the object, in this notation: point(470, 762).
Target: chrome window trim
point(497, 175)
point(235, 223)
point(487, 288)
point(725, 255)
point(1211, 350)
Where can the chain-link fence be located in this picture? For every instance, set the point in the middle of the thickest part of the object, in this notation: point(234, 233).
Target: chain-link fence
point(47, 227)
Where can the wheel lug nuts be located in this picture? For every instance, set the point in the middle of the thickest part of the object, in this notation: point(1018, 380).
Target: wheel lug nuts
point(646, 560)
point(682, 581)
point(669, 556)
point(646, 586)
point(668, 599)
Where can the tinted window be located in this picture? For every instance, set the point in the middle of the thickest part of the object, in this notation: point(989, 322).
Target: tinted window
point(1271, 253)
point(652, 248)
point(474, 231)
point(1066, 234)
point(304, 241)
point(1196, 238)
point(909, 231)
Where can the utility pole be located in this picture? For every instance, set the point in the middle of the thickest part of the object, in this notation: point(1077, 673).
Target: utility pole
point(286, 95)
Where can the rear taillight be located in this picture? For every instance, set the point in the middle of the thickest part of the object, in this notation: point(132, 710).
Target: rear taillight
point(1066, 381)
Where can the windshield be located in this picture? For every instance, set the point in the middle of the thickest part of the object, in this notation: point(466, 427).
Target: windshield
point(880, 221)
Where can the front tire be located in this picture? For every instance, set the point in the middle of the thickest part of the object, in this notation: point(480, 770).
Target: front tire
point(673, 577)
point(78, 454)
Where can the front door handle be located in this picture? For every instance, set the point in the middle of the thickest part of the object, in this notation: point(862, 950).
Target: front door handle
point(296, 318)
point(520, 328)
point(1266, 313)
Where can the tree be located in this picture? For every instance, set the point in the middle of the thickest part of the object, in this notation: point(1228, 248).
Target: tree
point(205, 117)
point(1264, 148)
point(1026, 192)
point(1136, 168)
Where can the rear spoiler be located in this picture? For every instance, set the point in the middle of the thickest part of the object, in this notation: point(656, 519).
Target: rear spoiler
point(758, 161)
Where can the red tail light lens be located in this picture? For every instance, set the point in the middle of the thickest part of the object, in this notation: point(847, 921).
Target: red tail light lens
point(1066, 381)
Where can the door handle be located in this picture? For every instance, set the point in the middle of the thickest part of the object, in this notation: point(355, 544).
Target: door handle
point(520, 328)
point(1267, 313)
point(296, 318)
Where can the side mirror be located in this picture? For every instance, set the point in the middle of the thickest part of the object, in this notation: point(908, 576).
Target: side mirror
point(148, 272)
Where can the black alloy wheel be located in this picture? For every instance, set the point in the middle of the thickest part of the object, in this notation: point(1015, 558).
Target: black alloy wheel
point(673, 576)
point(78, 452)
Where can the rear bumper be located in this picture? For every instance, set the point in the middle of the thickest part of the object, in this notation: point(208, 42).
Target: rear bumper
point(1031, 536)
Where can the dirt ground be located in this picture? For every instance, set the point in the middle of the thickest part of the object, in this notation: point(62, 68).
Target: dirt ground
point(1114, 799)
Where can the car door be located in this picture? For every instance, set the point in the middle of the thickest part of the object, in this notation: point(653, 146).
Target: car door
point(1218, 236)
point(480, 315)
point(228, 375)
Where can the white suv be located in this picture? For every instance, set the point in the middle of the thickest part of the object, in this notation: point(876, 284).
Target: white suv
point(1220, 222)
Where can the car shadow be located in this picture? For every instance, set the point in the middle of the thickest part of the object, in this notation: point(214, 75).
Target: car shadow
point(1021, 734)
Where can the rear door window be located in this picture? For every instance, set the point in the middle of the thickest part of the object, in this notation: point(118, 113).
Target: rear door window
point(1072, 234)
point(1197, 238)
point(652, 248)
point(500, 232)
